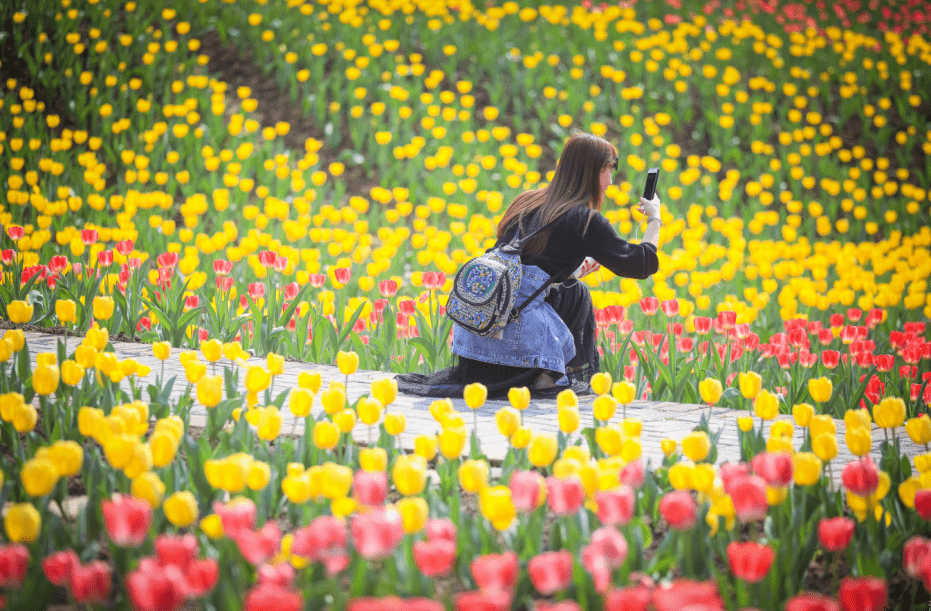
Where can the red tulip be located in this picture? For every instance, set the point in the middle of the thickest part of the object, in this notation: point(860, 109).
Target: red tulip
point(267, 257)
point(202, 576)
point(236, 516)
point(375, 534)
point(749, 497)
point(370, 487)
point(727, 319)
point(835, 533)
point(7, 256)
point(633, 473)
point(256, 290)
point(678, 509)
point(14, 562)
point(222, 267)
point(631, 598)
point(259, 546)
point(525, 490)
point(550, 572)
point(271, 597)
point(326, 534)
point(441, 528)
point(702, 325)
point(685, 593)
point(923, 504)
point(862, 594)
point(809, 601)
point(407, 307)
point(105, 258)
point(435, 557)
point(775, 467)
point(176, 550)
point(342, 274)
point(281, 574)
point(565, 495)
point(58, 566)
point(493, 600)
point(393, 603)
point(615, 506)
point(914, 552)
point(495, 571)
point(861, 476)
point(388, 288)
point(58, 263)
point(750, 561)
point(685, 344)
point(608, 546)
point(281, 264)
point(563, 605)
point(649, 305)
point(167, 259)
point(91, 583)
point(730, 472)
point(670, 307)
point(317, 280)
point(153, 588)
point(291, 290)
point(15, 232)
point(127, 520)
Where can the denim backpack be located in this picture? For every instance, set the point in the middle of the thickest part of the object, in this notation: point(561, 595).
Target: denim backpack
point(484, 295)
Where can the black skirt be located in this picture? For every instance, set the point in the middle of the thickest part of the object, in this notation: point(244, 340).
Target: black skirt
point(573, 303)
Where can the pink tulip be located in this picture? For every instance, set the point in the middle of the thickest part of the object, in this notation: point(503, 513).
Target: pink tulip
point(494, 600)
point(914, 552)
point(58, 566)
point(14, 562)
point(281, 574)
point(565, 495)
point(435, 557)
point(370, 488)
point(441, 528)
point(377, 533)
point(236, 516)
point(615, 507)
point(271, 597)
point(749, 497)
point(259, 546)
point(342, 274)
point(775, 467)
point(678, 509)
point(861, 476)
point(88, 236)
point(91, 583)
point(633, 474)
point(176, 550)
point(525, 490)
point(127, 520)
point(496, 571)
point(550, 572)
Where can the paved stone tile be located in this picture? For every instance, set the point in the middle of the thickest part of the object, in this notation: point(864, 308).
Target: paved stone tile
point(659, 419)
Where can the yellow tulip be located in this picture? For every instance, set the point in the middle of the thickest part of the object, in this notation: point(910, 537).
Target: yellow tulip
point(631, 449)
point(38, 476)
point(745, 424)
point(922, 462)
point(824, 446)
point(45, 379)
point(25, 418)
point(696, 446)
point(807, 468)
point(347, 362)
point(103, 307)
point(309, 380)
point(766, 405)
point(624, 392)
point(210, 390)
point(300, 402)
point(343, 507)
point(269, 425)
point(497, 507)
point(333, 400)
point(802, 414)
point(475, 395)
point(257, 378)
point(148, 487)
point(65, 310)
point(710, 390)
point(567, 398)
point(919, 429)
point(603, 407)
point(409, 474)
point(345, 420)
point(473, 475)
point(385, 390)
point(521, 438)
point(907, 491)
point(452, 441)
point(181, 508)
point(857, 417)
point(296, 487)
point(6, 350)
point(259, 475)
point(16, 337)
point(19, 312)
point(820, 389)
point(274, 363)
point(140, 462)
point(601, 383)
point(750, 383)
point(395, 423)
point(507, 419)
point(609, 439)
point(775, 496)
point(566, 467)
point(569, 419)
point(22, 523)
point(668, 446)
point(88, 420)
point(9, 403)
point(859, 441)
point(703, 476)
point(426, 446)
point(164, 447)
point(414, 513)
point(161, 350)
point(519, 397)
point(542, 449)
point(890, 413)
point(680, 475)
point(212, 349)
point(212, 526)
point(439, 408)
point(97, 338)
point(820, 424)
point(369, 410)
point(233, 351)
point(336, 480)
point(373, 459)
point(71, 373)
point(632, 427)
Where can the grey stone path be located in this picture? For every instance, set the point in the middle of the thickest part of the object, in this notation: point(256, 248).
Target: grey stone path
point(660, 419)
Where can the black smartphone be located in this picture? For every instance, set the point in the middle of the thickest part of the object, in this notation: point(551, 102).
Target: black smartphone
point(650, 189)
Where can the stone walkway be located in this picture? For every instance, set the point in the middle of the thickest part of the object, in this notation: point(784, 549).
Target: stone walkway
point(660, 420)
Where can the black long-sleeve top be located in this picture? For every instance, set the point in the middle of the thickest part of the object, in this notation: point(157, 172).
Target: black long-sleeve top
point(567, 247)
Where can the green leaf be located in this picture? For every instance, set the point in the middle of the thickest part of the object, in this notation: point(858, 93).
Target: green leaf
point(868, 566)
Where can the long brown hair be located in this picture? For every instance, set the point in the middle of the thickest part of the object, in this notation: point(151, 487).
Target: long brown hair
point(576, 182)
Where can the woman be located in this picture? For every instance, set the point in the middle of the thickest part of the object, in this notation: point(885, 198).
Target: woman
point(551, 345)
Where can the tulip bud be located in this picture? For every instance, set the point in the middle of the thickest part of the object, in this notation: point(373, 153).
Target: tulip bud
point(475, 395)
point(601, 383)
point(710, 390)
point(519, 398)
point(347, 362)
point(181, 508)
point(750, 384)
point(696, 445)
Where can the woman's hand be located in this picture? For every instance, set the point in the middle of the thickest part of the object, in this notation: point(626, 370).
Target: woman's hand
point(650, 207)
point(588, 266)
